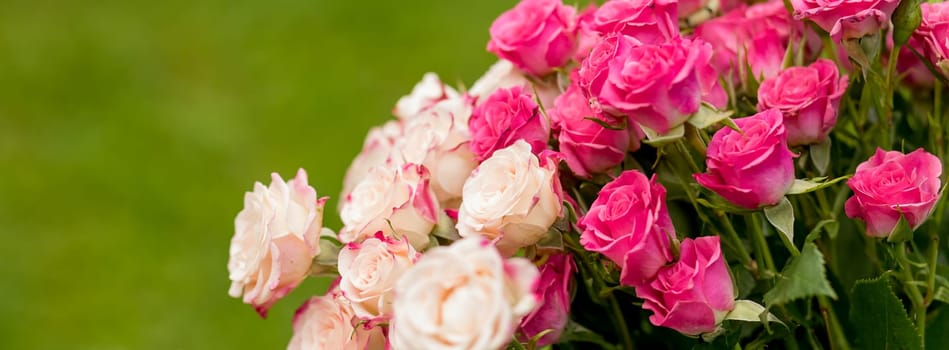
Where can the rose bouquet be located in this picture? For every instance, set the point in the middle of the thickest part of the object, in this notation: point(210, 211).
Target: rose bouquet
point(639, 174)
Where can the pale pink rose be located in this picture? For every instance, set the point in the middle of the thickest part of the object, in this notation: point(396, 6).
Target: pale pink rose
point(275, 240)
point(846, 19)
point(629, 224)
point(368, 272)
point(752, 169)
point(462, 296)
point(328, 322)
point(587, 37)
point(648, 21)
point(933, 35)
point(512, 197)
point(912, 67)
point(754, 36)
point(536, 35)
point(438, 138)
point(553, 309)
point(808, 98)
point(587, 147)
point(658, 86)
point(694, 294)
point(890, 184)
point(394, 200)
point(425, 94)
point(375, 152)
point(508, 115)
point(504, 75)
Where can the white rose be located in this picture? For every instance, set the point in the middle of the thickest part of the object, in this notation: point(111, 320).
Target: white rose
point(425, 94)
point(463, 296)
point(438, 139)
point(368, 272)
point(375, 152)
point(394, 200)
point(275, 240)
point(327, 322)
point(511, 198)
point(504, 74)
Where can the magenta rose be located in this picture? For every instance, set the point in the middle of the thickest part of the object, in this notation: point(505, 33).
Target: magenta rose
point(846, 19)
point(932, 33)
point(536, 35)
point(890, 184)
point(506, 116)
point(648, 21)
point(629, 224)
point(657, 85)
point(553, 305)
point(587, 147)
point(808, 97)
point(912, 67)
point(753, 169)
point(693, 295)
point(586, 35)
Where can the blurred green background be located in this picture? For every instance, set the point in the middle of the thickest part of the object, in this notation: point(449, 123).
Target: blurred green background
point(129, 131)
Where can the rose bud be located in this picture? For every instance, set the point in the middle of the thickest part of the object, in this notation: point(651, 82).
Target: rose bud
point(587, 146)
point(425, 94)
point(658, 86)
point(328, 323)
point(847, 19)
point(508, 115)
point(553, 309)
point(891, 184)
point(396, 201)
point(536, 35)
point(808, 98)
point(646, 21)
point(275, 240)
point(368, 272)
point(512, 197)
point(932, 33)
point(694, 294)
point(629, 224)
point(462, 296)
point(752, 169)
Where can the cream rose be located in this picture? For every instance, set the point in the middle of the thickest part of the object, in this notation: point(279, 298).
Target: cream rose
point(504, 74)
point(368, 272)
point(376, 150)
point(275, 240)
point(438, 139)
point(426, 93)
point(512, 198)
point(328, 322)
point(463, 296)
point(394, 200)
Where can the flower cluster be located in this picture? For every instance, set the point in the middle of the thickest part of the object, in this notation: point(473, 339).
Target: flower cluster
point(621, 160)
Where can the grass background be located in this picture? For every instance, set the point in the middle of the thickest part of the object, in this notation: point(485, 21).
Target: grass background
point(129, 131)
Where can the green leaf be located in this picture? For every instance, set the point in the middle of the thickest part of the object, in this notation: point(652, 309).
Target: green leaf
point(902, 232)
point(781, 216)
point(942, 294)
point(879, 318)
point(532, 345)
point(805, 276)
point(708, 115)
point(655, 139)
point(801, 186)
point(905, 20)
point(820, 156)
point(605, 125)
point(936, 339)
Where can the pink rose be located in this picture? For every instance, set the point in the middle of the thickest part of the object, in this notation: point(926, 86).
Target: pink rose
point(808, 98)
point(659, 86)
point(275, 240)
point(629, 224)
point(693, 295)
point(425, 94)
point(368, 272)
point(553, 308)
point(391, 199)
point(507, 116)
point(933, 35)
point(890, 184)
point(536, 35)
point(751, 170)
point(846, 19)
point(587, 147)
point(648, 21)
point(587, 37)
point(328, 323)
point(504, 75)
point(912, 67)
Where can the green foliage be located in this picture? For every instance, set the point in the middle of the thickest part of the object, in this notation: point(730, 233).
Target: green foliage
point(804, 276)
point(878, 317)
point(781, 216)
